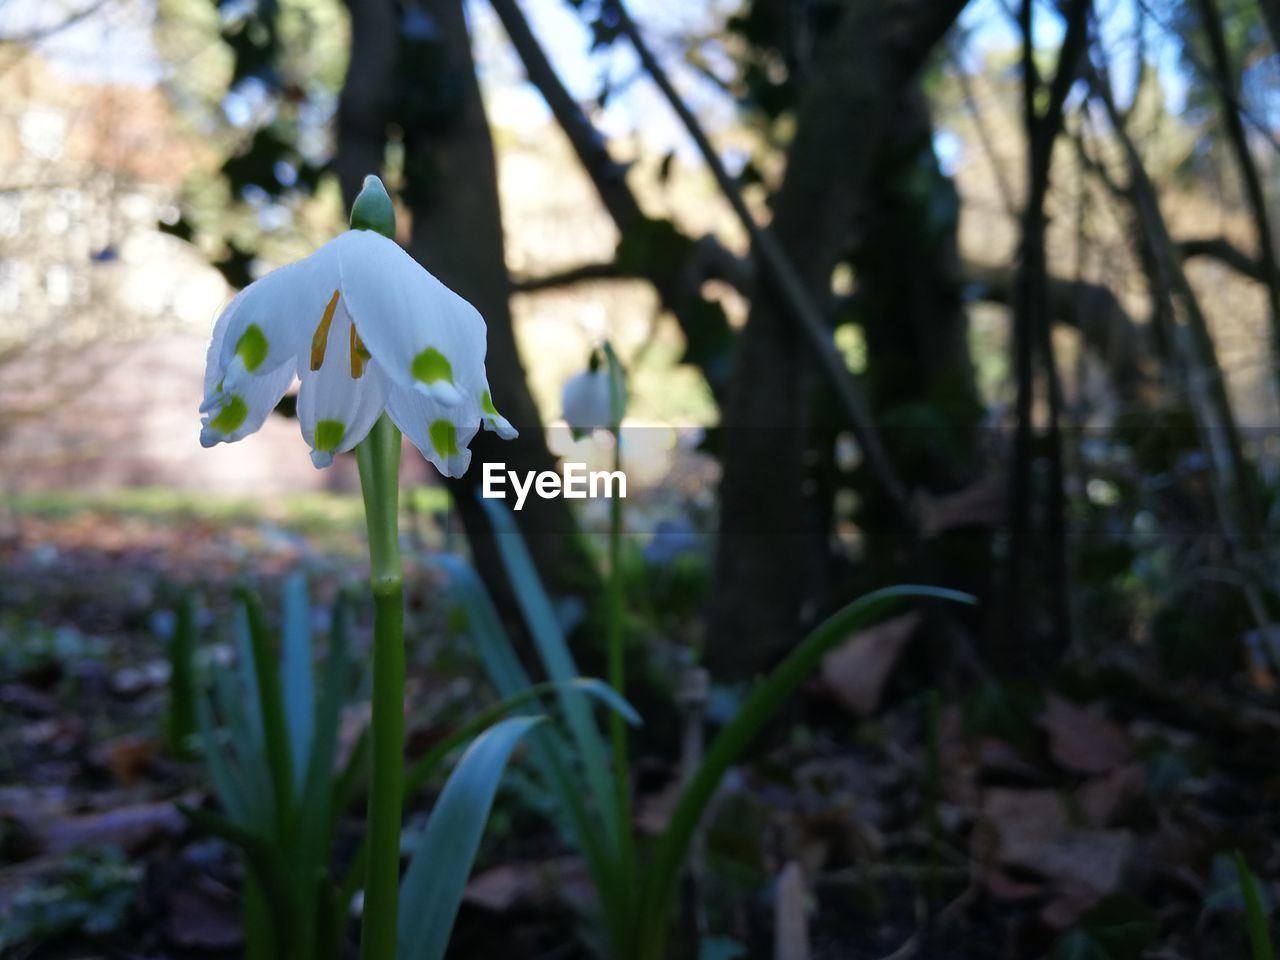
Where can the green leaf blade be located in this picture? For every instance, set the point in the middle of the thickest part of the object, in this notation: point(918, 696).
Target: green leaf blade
point(434, 884)
point(297, 674)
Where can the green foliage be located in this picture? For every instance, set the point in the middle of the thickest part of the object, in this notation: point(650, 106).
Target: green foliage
point(1255, 911)
point(636, 898)
point(437, 876)
point(272, 767)
point(766, 697)
point(92, 896)
point(182, 721)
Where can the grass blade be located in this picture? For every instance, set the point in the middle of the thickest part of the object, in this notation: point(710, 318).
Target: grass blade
point(226, 783)
point(245, 751)
point(550, 754)
point(275, 730)
point(1260, 945)
point(297, 672)
point(315, 813)
point(437, 876)
point(761, 703)
point(248, 671)
point(557, 660)
point(421, 771)
point(183, 691)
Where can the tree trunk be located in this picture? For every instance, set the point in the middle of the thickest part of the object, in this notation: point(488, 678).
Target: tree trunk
point(755, 608)
point(920, 376)
point(430, 88)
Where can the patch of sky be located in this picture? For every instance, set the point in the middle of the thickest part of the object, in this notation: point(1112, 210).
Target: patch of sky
point(248, 102)
point(949, 149)
point(109, 44)
point(988, 26)
point(286, 173)
point(271, 216)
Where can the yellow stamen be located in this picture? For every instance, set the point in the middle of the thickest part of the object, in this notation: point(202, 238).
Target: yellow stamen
point(320, 340)
point(359, 354)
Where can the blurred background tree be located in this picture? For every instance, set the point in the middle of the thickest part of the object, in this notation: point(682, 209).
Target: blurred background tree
point(958, 292)
point(978, 294)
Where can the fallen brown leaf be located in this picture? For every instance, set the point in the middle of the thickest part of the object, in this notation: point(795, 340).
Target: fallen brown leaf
point(981, 504)
point(1082, 741)
point(856, 672)
point(128, 757)
point(1031, 831)
point(533, 885)
point(202, 916)
point(1104, 800)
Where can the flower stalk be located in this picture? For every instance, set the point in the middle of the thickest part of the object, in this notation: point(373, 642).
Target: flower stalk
point(381, 348)
point(616, 641)
point(378, 457)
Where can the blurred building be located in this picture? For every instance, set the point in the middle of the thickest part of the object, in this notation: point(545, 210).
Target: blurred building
point(103, 317)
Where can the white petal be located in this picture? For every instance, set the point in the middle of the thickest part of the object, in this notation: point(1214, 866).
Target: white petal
point(585, 400)
point(270, 322)
point(420, 332)
point(441, 433)
point(335, 408)
point(231, 414)
point(492, 420)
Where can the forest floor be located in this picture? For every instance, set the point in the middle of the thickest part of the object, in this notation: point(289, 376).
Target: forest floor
point(876, 819)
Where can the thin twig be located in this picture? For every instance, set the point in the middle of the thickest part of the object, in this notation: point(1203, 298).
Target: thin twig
point(582, 273)
point(1230, 105)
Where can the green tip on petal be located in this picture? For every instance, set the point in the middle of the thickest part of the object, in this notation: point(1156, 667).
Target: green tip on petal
point(444, 438)
point(251, 348)
point(329, 434)
point(231, 416)
point(486, 404)
point(373, 209)
point(431, 366)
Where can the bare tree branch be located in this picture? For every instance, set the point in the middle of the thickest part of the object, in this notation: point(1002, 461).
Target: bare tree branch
point(1031, 332)
point(678, 291)
point(1261, 126)
point(1271, 13)
point(1225, 85)
point(1091, 308)
point(1234, 484)
point(567, 278)
point(984, 134)
point(44, 33)
point(1222, 249)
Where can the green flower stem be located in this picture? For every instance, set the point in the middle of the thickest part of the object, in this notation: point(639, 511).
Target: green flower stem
point(617, 667)
point(379, 459)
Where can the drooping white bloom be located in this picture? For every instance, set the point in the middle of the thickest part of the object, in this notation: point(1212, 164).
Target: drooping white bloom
point(366, 329)
point(587, 400)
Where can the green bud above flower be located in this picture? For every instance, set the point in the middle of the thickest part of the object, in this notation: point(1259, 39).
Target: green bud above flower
point(373, 209)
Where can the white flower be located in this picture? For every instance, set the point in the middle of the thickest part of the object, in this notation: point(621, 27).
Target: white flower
point(366, 329)
point(586, 401)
